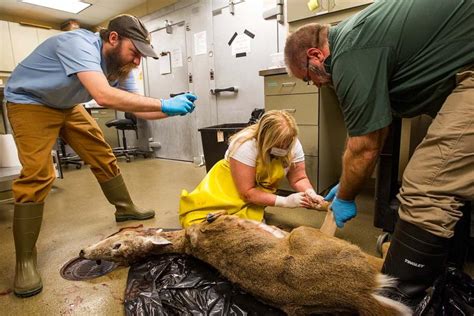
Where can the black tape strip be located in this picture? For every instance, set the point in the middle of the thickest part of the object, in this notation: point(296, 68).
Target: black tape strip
point(240, 55)
point(249, 34)
point(232, 38)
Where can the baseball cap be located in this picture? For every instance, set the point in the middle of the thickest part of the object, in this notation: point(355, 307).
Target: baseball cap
point(131, 27)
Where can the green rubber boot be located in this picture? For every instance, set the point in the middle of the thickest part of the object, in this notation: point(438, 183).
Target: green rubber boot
point(117, 194)
point(27, 220)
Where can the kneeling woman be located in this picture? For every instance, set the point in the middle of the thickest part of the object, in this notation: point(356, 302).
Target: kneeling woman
point(245, 181)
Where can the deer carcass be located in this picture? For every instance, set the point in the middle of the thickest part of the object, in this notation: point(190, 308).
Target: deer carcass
point(301, 272)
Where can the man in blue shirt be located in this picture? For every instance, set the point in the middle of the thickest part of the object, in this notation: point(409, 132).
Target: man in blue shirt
point(42, 96)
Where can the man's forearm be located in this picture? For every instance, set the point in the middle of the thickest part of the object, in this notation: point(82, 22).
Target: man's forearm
point(151, 115)
point(128, 102)
point(358, 162)
point(357, 168)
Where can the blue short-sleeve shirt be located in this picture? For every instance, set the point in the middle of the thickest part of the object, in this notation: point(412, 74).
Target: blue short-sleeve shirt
point(48, 75)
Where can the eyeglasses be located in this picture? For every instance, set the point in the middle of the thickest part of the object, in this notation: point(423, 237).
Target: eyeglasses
point(307, 78)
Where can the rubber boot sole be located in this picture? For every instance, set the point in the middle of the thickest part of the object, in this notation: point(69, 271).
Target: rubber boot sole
point(28, 293)
point(123, 218)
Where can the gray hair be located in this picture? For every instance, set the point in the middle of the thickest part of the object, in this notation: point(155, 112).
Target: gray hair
point(297, 43)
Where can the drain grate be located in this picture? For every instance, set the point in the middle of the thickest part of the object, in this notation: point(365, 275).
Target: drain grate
point(83, 269)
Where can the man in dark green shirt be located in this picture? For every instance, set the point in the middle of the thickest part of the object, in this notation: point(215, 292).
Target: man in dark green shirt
point(401, 58)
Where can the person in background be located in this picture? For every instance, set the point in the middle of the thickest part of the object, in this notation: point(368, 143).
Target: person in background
point(402, 58)
point(43, 96)
point(245, 181)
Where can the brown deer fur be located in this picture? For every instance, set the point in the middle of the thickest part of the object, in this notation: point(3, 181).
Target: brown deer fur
point(301, 272)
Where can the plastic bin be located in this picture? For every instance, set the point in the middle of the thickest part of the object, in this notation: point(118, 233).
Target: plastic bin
point(215, 140)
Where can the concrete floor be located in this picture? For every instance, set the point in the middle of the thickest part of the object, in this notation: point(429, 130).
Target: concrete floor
point(77, 214)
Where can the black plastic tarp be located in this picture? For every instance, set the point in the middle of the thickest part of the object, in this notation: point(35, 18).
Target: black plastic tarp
point(183, 285)
point(451, 295)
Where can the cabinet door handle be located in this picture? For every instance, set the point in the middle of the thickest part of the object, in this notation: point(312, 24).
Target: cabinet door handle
point(229, 89)
point(172, 95)
point(289, 110)
point(288, 84)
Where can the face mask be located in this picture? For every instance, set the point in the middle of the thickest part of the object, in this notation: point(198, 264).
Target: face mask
point(278, 152)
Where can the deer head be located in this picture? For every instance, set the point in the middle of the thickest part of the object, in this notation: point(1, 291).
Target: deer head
point(126, 245)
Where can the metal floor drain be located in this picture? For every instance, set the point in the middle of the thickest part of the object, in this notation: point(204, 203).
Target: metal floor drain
point(83, 269)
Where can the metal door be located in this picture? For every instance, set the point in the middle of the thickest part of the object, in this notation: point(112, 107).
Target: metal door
point(241, 23)
point(174, 133)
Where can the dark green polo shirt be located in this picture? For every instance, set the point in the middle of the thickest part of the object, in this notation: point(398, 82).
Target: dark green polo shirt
point(399, 57)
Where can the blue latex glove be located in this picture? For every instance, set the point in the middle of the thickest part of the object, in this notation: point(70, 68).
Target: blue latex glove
point(332, 193)
point(190, 111)
point(343, 210)
point(179, 105)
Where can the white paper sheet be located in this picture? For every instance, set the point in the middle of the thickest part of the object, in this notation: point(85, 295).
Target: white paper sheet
point(165, 64)
point(200, 43)
point(176, 57)
point(241, 44)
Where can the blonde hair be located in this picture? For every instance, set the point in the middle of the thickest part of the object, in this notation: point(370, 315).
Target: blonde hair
point(274, 129)
point(306, 37)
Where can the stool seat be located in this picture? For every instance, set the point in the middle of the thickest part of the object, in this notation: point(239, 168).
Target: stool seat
point(125, 124)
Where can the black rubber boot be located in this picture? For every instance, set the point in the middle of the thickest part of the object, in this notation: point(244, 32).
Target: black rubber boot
point(416, 258)
point(27, 220)
point(117, 194)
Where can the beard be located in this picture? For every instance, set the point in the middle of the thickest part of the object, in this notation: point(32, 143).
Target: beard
point(116, 68)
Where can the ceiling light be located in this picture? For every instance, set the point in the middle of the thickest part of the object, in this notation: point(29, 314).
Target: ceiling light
point(72, 6)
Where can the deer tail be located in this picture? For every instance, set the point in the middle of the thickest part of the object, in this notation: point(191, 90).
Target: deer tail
point(390, 307)
point(387, 305)
point(377, 305)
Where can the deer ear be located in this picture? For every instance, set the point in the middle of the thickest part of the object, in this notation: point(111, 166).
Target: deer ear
point(157, 240)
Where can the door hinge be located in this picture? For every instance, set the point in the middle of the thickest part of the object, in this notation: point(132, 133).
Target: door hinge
point(276, 11)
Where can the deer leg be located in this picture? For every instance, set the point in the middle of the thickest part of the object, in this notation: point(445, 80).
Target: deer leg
point(329, 225)
point(376, 262)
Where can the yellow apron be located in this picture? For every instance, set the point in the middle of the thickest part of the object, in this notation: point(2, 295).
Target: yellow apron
point(217, 191)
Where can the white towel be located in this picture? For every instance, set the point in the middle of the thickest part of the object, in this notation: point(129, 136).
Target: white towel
point(8, 152)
